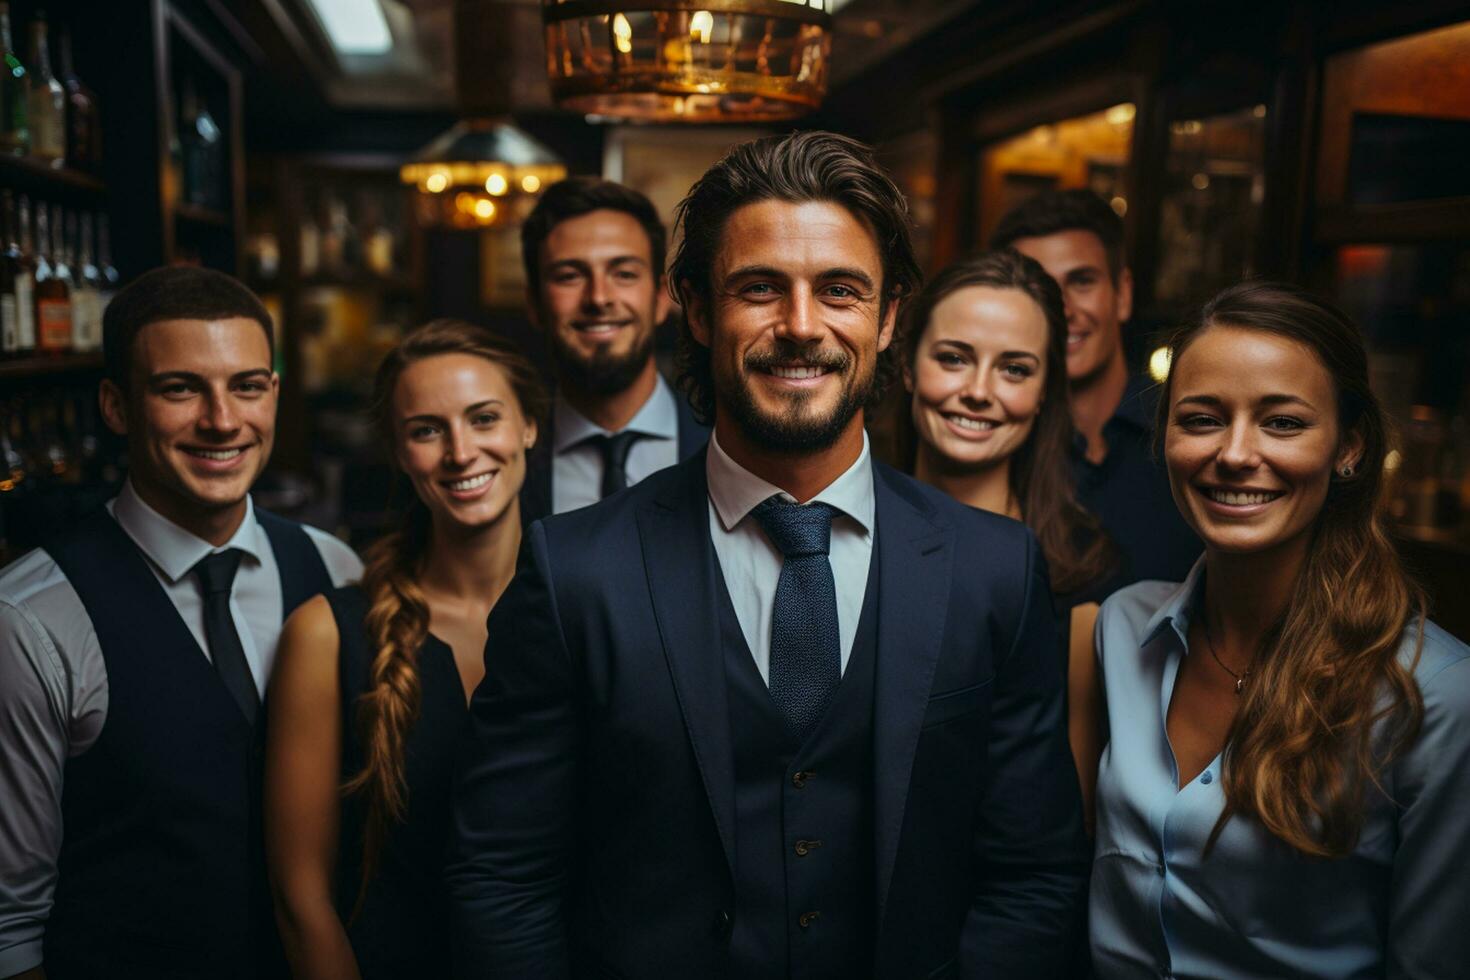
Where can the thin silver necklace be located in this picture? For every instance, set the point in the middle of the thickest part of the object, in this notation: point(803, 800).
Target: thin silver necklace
point(1240, 679)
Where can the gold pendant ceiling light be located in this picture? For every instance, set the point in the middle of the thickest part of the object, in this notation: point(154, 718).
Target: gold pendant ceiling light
point(688, 60)
point(480, 172)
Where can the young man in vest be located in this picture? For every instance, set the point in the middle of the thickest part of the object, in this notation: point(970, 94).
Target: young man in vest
point(778, 711)
point(594, 257)
point(1078, 240)
point(134, 651)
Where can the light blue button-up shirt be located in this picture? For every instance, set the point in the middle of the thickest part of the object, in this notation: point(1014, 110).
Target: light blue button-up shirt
point(1397, 906)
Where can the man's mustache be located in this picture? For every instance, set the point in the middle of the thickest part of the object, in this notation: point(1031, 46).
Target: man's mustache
point(787, 354)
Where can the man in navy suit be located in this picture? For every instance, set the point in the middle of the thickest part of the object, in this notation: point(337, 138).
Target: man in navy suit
point(594, 258)
point(779, 711)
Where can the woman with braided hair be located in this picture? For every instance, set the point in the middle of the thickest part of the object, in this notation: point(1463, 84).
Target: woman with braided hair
point(368, 702)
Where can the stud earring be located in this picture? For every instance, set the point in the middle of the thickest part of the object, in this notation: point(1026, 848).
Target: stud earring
point(1345, 471)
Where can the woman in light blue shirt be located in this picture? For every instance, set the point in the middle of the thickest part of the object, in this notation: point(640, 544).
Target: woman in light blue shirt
point(1286, 786)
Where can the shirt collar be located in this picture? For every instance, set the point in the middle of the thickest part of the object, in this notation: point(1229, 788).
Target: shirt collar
point(1177, 609)
point(735, 491)
point(174, 550)
point(658, 418)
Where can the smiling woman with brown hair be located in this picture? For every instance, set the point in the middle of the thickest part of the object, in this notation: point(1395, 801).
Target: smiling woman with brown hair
point(368, 700)
point(1289, 738)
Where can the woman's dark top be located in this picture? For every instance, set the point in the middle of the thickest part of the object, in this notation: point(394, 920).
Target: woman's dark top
point(402, 929)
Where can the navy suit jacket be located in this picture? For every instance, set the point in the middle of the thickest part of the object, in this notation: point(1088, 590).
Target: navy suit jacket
point(595, 816)
point(536, 499)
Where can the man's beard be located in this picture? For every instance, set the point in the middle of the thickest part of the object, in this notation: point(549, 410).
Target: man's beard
point(604, 374)
point(794, 430)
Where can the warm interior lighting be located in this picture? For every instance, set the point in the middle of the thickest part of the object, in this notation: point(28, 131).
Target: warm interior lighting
point(1158, 364)
point(1121, 114)
point(479, 159)
point(354, 26)
point(739, 60)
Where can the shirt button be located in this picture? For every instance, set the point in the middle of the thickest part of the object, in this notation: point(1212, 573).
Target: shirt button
point(1207, 778)
point(805, 847)
point(1160, 869)
point(798, 779)
point(806, 919)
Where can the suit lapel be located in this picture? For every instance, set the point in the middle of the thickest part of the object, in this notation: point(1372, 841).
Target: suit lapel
point(915, 550)
point(536, 491)
point(679, 559)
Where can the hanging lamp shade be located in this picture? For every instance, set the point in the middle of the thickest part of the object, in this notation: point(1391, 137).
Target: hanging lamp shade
point(480, 172)
point(688, 60)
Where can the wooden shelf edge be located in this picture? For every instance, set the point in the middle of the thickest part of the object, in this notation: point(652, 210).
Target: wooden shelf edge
point(37, 365)
point(200, 215)
point(24, 170)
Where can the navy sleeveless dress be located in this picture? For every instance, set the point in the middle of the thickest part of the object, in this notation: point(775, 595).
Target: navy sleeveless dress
point(402, 927)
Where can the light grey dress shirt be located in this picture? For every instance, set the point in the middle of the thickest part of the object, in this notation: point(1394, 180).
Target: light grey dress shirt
point(1397, 906)
point(576, 467)
point(53, 686)
point(751, 564)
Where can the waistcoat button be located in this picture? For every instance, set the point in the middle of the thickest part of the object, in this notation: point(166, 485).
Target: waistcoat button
point(805, 847)
point(806, 919)
point(798, 779)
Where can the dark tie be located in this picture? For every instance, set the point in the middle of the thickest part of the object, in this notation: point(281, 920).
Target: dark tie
point(614, 451)
point(806, 649)
point(216, 574)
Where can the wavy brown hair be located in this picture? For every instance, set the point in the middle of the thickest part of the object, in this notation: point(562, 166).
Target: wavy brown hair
point(1331, 703)
point(798, 167)
point(397, 619)
point(1077, 551)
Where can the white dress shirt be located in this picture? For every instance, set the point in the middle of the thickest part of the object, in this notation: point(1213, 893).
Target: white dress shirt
point(576, 468)
point(751, 564)
point(53, 685)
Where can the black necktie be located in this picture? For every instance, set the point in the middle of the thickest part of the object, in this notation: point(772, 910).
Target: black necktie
point(806, 648)
point(216, 574)
point(614, 451)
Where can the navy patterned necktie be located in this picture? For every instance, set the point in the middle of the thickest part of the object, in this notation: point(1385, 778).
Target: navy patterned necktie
point(806, 648)
point(614, 449)
point(216, 575)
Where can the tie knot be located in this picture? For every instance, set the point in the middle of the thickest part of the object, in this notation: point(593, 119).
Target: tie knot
point(614, 448)
point(796, 529)
point(216, 572)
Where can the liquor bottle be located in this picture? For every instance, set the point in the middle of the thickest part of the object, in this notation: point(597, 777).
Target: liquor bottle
point(21, 265)
point(83, 127)
point(9, 325)
point(200, 141)
point(107, 288)
point(86, 301)
point(15, 94)
point(53, 298)
point(48, 101)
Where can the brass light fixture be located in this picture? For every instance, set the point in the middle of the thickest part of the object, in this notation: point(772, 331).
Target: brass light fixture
point(480, 172)
point(688, 60)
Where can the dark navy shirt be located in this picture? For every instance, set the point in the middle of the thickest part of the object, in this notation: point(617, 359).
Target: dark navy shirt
point(1129, 493)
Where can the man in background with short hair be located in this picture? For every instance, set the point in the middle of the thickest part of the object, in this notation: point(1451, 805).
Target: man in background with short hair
point(1078, 239)
point(594, 256)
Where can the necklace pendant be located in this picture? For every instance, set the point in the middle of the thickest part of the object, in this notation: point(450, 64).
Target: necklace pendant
point(1239, 685)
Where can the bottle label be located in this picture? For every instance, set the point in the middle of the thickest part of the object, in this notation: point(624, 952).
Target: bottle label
point(9, 339)
point(53, 321)
point(86, 321)
point(25, 312)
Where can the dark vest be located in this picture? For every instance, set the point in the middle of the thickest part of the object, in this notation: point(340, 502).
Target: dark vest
point(804, 869)
point(161, 872)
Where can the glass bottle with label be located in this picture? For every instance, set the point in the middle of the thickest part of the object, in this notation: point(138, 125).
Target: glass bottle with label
point(83, 128)
point(86, 299)
point(53, 298)
point(21, 266)
point(15, 135)
point(47, 103)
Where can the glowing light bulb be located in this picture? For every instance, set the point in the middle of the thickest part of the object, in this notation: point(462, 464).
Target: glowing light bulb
point(530, 183)
point(484, 210)
point(497, 184)
point(1121, 114)
point(622, 34)
point(701, 26)
point(1158, 364)
point(435, 183)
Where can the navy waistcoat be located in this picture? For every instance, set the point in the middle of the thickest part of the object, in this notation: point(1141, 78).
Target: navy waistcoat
point(804, 863)
point(161, 872)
